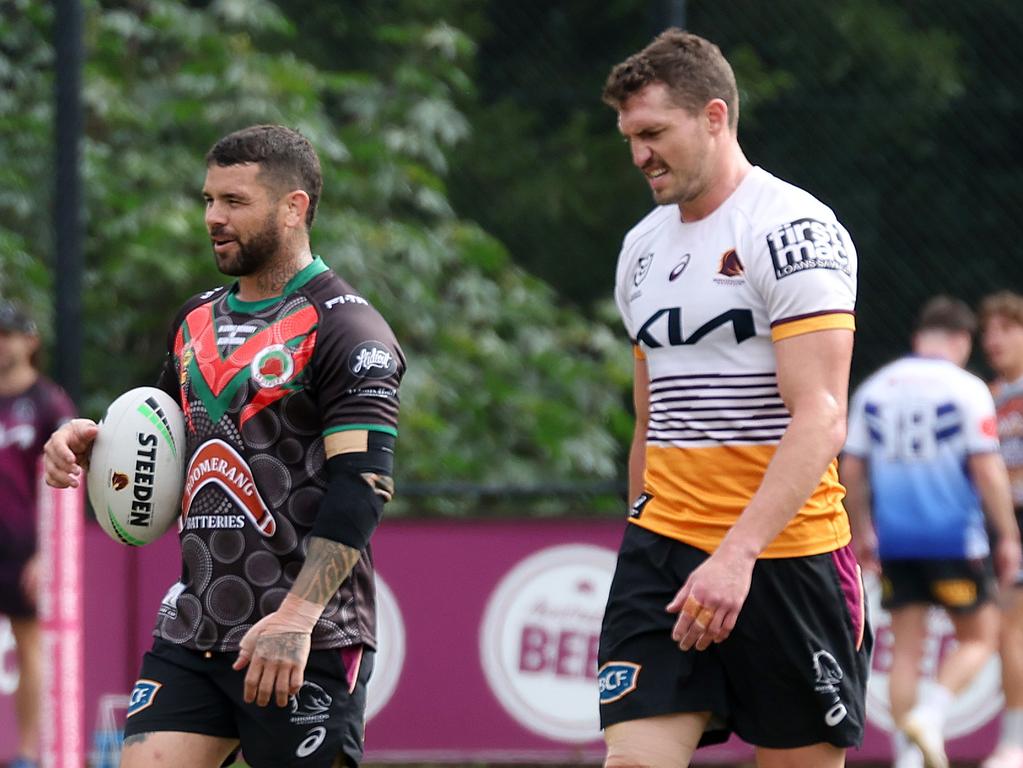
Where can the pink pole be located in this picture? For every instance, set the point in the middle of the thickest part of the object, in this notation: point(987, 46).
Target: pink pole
point(61, 532)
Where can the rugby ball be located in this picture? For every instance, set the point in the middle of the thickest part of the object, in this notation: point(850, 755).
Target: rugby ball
point(137, 468)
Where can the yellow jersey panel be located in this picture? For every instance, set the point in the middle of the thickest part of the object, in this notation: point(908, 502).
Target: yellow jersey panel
point(691, 482)
point(704, 303)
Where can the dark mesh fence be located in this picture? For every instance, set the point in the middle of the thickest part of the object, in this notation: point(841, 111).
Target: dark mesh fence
point(900, 115)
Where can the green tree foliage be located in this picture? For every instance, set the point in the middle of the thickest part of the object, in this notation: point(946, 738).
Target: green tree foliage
point(503, 385)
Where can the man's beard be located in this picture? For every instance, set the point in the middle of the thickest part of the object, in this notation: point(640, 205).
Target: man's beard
point(253, 254)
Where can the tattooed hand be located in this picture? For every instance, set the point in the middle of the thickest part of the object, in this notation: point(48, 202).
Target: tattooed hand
point(277, 647)
point(275, 650)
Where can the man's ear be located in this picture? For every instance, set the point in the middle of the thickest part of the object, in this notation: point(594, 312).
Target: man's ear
point(716, 113)
point(297, 203)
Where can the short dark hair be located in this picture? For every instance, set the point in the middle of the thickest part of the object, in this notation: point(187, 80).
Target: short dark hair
point(1007, 304)
point(693, 68)
point(286, 159)
point(945, 313)
point(14, 318)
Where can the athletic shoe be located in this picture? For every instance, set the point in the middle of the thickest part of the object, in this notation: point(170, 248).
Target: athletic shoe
point(926, 735)
point(1005, 756)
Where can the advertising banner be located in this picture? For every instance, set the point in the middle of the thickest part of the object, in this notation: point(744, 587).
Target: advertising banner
point(488, 636)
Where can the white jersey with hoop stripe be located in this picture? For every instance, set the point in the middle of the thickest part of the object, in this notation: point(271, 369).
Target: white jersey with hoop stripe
point(704, 302)
point(916, 421)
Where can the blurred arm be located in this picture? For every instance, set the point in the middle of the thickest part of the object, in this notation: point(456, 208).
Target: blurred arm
point(856, 479)
point(992, 481)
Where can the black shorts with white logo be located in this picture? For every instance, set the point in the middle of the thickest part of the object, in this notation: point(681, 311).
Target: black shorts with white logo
point(180, 689)
point(792, 673)
point(956, 584)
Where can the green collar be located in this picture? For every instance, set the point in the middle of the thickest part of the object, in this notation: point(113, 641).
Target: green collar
point(315, 268)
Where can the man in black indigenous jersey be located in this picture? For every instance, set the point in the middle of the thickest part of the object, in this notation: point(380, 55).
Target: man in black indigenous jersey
point(288, 380)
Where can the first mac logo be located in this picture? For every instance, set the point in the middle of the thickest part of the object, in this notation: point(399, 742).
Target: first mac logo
point(616, 679)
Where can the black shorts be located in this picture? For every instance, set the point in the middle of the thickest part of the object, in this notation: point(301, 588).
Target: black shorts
point(180, 689)
point(792, 673)
point(13, 602)
point(956, 584)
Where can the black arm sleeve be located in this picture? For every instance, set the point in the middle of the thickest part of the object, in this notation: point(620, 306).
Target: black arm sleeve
point(351, 509)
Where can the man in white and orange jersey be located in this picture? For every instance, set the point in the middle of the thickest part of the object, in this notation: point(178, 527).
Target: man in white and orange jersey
point(1001, 322)
point(737, 604)
point(922, 469)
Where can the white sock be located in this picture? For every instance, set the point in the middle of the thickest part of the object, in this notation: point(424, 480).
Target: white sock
point(901, 743)
point(936, 704)
point(1012, 728)
point(941, 699)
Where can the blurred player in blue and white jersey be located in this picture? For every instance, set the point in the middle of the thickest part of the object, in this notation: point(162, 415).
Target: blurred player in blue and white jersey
point(922, 461)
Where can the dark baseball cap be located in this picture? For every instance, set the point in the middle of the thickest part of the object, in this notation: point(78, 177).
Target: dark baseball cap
point(14, 319)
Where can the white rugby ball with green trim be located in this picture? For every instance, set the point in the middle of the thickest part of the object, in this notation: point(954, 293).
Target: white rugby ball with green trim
point(137, 468)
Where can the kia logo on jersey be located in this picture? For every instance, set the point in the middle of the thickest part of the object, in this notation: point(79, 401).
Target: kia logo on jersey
point(653, 330)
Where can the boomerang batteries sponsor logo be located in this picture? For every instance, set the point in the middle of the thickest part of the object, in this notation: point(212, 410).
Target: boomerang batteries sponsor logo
point(539, 639)
point(217, 463)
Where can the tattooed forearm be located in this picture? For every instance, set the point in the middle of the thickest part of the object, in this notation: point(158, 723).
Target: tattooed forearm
point(327, 564)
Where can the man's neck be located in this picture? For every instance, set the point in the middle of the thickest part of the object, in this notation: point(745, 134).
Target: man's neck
point(270, 282)
point(1011, 374)
point(728, 175)
point(17, 379)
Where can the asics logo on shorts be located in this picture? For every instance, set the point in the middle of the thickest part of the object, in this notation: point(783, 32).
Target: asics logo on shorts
point(616, 679)
point(311, 742)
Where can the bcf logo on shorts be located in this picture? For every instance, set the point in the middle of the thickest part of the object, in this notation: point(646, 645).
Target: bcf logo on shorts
point(616, 679)
point(142, 696)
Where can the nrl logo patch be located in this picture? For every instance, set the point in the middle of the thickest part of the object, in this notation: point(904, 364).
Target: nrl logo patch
point(642, 269)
